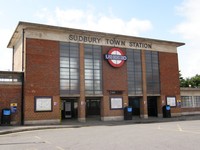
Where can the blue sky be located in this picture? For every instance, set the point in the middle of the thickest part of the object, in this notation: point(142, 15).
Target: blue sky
point(175, 20)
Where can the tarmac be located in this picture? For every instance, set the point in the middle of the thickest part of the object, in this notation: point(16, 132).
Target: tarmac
point(93, 122)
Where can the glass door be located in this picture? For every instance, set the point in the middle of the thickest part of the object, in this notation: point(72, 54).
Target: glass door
point(92, 107)
point(69, 108)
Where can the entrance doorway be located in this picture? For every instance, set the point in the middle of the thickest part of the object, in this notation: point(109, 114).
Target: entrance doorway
point(135, 104)
point(69, 108)
point(152, 106)
point(92, 107)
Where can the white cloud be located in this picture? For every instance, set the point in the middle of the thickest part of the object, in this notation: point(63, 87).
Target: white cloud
point(75, 18)
point(69, 15)
point(90, 20)
point(189, 59)
point(190, 10)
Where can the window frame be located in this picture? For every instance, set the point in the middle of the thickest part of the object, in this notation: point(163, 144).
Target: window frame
point(92, 54)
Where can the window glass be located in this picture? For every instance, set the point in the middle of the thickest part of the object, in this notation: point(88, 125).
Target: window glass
point(190, 101)
point(64, 62)
point(74, 84)
point(186, 101)
point(74, 74)
point(152, 72)
point(134, 72)
point(89, 74)
point(74, 63)
point(64, 73)
point(196, 101)
point(89, 85)
point(93, 69)
point(69, 68)
point(64, 84)
point(89, 63)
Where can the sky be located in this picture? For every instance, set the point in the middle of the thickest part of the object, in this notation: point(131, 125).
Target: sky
point(174, 20)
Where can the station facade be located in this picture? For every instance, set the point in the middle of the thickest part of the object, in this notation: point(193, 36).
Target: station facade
point(71, 73)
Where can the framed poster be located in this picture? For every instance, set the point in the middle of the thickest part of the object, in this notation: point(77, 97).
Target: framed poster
point(171, 100)
point(43, 104)
point(116, 103)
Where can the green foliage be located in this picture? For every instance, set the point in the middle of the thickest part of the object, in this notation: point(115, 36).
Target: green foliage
point(193, 82)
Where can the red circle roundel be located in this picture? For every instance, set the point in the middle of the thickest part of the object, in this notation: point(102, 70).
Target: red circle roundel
point(116, 57)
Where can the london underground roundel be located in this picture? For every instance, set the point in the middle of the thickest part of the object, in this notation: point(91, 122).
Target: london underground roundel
point(116, 57)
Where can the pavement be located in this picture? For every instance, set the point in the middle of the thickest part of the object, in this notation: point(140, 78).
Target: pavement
point(93, 122)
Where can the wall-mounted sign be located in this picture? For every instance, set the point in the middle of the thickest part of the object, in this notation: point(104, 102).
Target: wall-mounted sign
point(13, 104)
point(43, 103)
point(109, 41)
point(115, 57)
point(115, 92)
point(171, 101)
point(116, 103)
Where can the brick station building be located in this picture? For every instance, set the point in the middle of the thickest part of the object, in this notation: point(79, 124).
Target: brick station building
point(71, 73)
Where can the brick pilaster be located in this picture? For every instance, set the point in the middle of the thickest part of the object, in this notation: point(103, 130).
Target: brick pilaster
point(81, 101)
point(143, 101)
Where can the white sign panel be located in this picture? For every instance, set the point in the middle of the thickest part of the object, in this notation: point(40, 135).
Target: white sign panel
point(171, 101)
point(116, 103)
point(43, 104)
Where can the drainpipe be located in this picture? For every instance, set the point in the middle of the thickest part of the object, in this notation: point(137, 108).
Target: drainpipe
point(13, 58)
point(22, 50)
point(22, 92)
point(22, 99)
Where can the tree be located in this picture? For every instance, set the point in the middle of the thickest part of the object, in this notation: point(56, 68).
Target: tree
point(193, 82)
point(183, 82)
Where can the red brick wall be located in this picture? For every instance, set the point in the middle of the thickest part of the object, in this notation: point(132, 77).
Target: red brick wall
point(41, 77)
point(11, 94)
point(190, 110)
point(169, 73)
point(113, 79)
point(169, 76)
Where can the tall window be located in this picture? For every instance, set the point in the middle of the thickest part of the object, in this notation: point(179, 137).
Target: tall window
point(134, 72)
point(69, 68)
point(152, 72)
point(93, 69)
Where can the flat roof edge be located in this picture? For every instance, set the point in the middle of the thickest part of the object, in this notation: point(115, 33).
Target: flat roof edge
point(23, 24)
point(11, 72)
